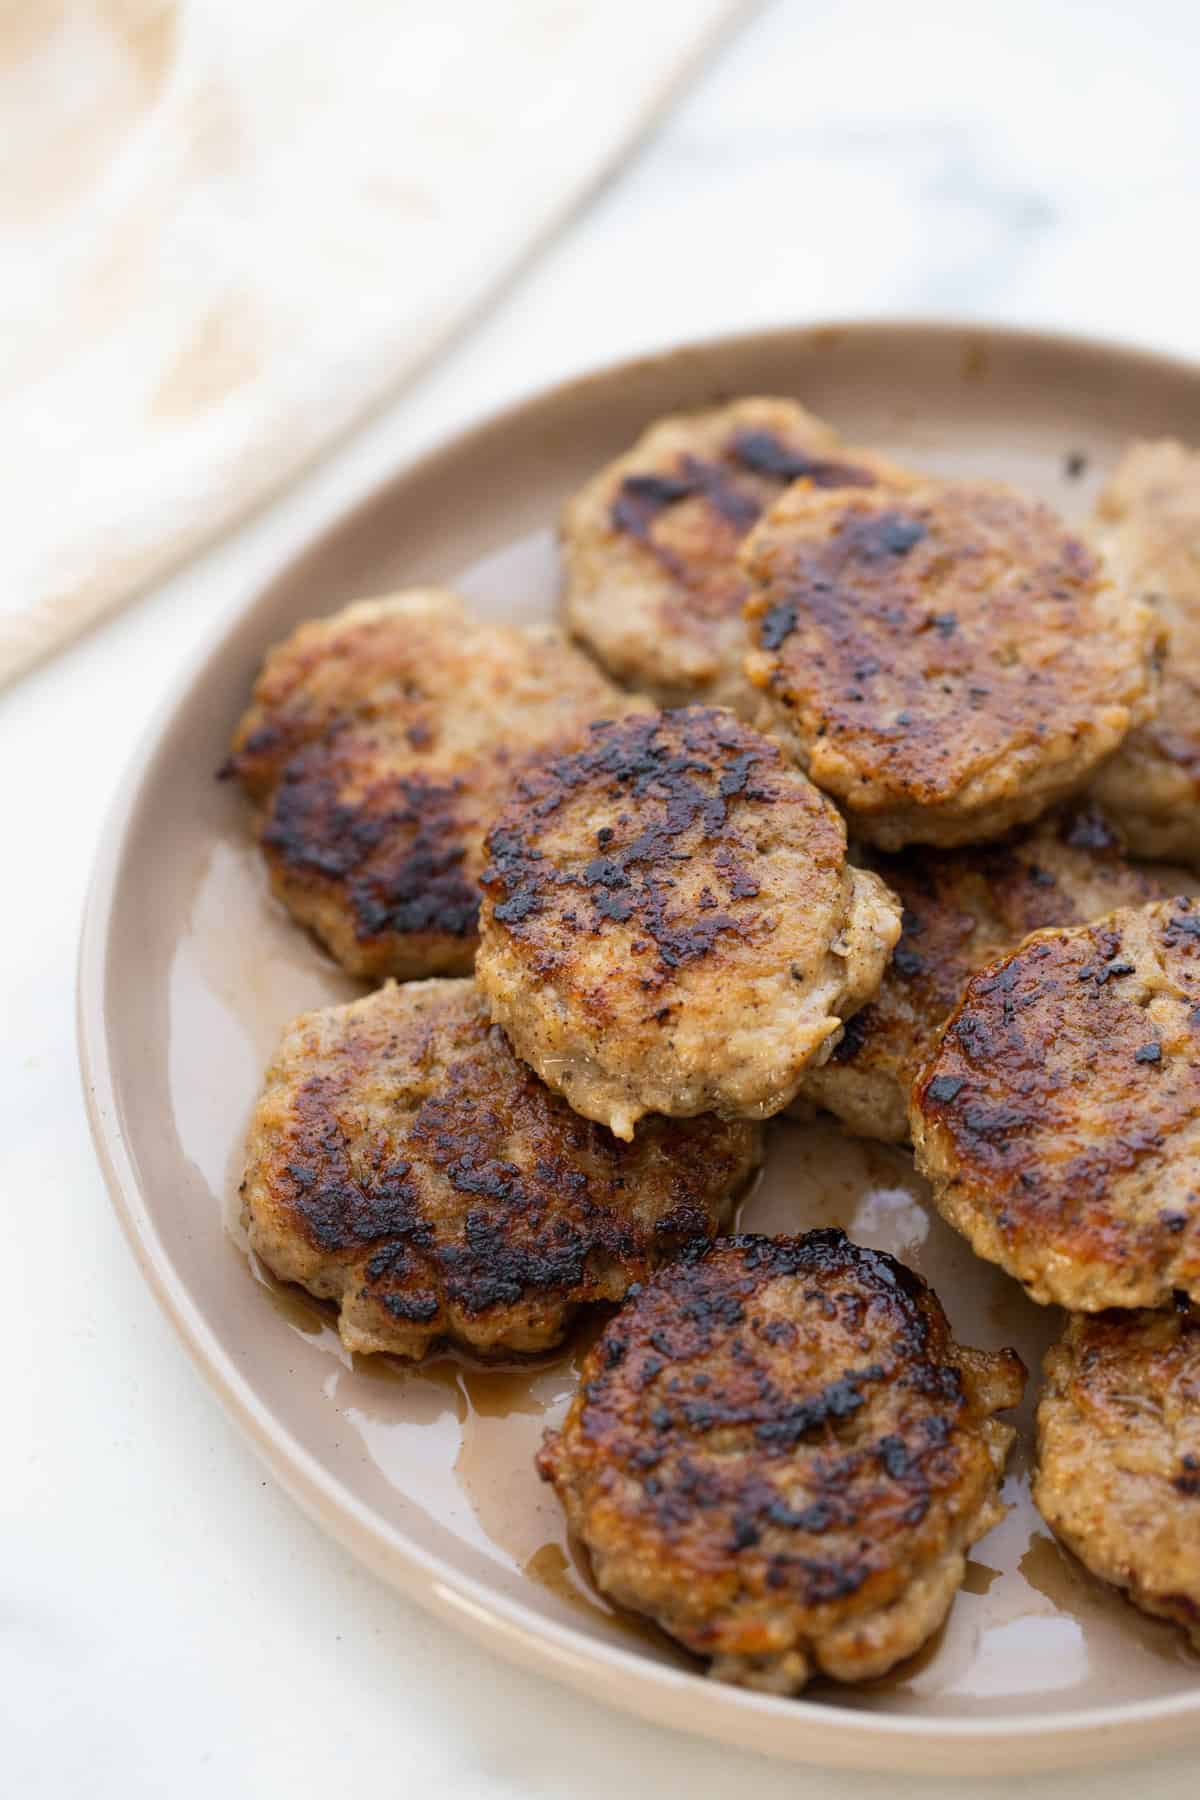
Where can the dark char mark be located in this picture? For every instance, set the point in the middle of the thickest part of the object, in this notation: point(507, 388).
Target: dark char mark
point(642, 499)
point(684, 770)
point(777, 625)
point(815, 581)
point(763, 453)
point(398, 851)
point(854, 1035)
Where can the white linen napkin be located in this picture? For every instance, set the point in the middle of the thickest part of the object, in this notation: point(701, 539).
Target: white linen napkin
point(227, 227)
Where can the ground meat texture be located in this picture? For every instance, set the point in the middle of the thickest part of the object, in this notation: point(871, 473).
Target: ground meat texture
point(669, 922)
point(377, 747)
point(779, 1453)
point(962, 909)
point(404, 1164)
point(1148, 523)
point(1118, 1476)
point(945, 658)
point(1059, 1118)
point(652, 588)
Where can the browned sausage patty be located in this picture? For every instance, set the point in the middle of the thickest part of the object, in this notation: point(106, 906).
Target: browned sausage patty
point(669, 922)
point(1148, 523)
point(377, 746)
point(403, 1163)
point(1118, 1474)
point(963, 908)
point(778, 1452)
point(945, 658)
point(1059, 1120)
point(653, 588)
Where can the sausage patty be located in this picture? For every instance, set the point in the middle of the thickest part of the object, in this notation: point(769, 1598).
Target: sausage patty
point(404, 1164)
point(1118, 1477)
point(962, 908)
point(1148, 523)
point(669, 923)
point(779, 1453)
point(377, 746)
point(652, 583)
point(1059, 1119)
point(945, 658)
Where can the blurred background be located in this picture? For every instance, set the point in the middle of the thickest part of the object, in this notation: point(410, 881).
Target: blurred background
point(252, 256)
point(230, 233)
point(1036, 161)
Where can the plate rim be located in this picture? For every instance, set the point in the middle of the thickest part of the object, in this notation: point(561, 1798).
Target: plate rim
point(808, 1730)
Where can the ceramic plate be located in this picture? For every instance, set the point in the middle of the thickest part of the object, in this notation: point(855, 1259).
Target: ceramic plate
point(189, 970)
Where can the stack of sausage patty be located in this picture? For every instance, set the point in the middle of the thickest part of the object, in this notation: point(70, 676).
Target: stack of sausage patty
point(827, 794)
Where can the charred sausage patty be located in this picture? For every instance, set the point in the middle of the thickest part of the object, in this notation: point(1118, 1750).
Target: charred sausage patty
point(1118, 1475)
point(670, 924)
point(1148, 524)
point(779, 1453)
point(945, 658)
point(1059, 1119)
point(404, 1164)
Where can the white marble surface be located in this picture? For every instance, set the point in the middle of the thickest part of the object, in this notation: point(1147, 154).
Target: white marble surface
point(169, 1624)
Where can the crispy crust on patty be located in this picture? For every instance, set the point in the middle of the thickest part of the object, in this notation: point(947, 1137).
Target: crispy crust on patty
point(945, 658)
point(377, 747)
point(669, 924)
point(1148, 523)
point(652, 584)
point(1118, 1476)
point(963, 908)
point(403, 1163)
point(780, 1454)
point(1059, 1119)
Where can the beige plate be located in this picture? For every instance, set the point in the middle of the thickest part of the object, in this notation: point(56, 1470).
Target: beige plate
point(189, 971)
